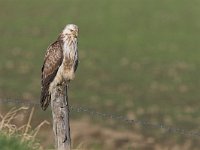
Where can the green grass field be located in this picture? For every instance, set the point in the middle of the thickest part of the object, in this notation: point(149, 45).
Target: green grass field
point(136, 56)
point(11, 143)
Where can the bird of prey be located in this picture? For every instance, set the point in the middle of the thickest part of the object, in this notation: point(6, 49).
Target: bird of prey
point(60, 63)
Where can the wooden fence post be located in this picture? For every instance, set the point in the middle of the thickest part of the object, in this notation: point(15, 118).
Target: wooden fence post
point(60, 112)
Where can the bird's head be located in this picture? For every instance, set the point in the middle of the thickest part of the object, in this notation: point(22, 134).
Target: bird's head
point(70, 32)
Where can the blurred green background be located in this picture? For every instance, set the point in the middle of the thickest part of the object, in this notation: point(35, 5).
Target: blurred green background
point(138, 58)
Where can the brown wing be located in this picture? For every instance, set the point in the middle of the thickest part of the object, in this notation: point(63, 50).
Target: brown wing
point(53, 60)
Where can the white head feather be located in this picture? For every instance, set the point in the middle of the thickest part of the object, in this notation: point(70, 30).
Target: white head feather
point(70, 31)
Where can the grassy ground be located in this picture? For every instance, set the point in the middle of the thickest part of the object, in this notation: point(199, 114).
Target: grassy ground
point(11, 143)
point(16, 133)
point(139, 57)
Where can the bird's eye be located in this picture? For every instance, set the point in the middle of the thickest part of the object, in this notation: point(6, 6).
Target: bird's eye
point(71, 30)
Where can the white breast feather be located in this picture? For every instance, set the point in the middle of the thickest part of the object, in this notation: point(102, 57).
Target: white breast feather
point(70, 50)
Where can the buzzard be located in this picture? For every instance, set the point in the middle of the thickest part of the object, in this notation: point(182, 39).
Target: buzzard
point(60, 63)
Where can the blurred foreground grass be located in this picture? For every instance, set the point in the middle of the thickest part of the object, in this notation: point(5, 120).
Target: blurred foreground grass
point(138, 57)
point(12, 143)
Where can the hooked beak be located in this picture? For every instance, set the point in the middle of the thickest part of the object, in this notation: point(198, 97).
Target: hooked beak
point(75, 33)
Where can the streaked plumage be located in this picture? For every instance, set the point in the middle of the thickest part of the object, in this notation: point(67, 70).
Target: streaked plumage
point(60, 63)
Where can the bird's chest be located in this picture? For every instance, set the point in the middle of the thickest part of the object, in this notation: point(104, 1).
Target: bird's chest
point(69, 51)
point(68, 64)
point(67, 68)
point(66, 71)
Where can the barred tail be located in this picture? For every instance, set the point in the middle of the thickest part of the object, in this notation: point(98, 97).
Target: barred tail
point(45, 98)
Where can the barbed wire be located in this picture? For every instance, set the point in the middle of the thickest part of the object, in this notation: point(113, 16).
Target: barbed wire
point(121, 118)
